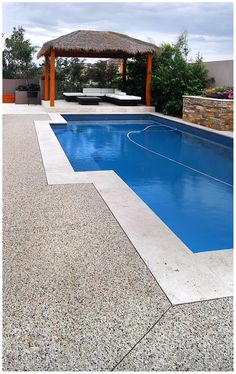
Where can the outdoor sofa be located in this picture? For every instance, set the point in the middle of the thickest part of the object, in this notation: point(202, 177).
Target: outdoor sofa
point(106, 94)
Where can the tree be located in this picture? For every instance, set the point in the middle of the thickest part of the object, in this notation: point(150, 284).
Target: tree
point(197, 77)
point(136, 76)
point(70, 74)
point(103, 74)
point(174, 76)
point(74, 74)
point(18, 56)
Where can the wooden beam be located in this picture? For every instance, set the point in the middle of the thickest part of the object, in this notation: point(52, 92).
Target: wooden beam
point(149, 79)
point(46, 68)
point(102, 54)
point(52, 78)
point(124, 74)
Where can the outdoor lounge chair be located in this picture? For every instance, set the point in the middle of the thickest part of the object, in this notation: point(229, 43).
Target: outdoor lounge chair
point(124, 100)
point(106, 94)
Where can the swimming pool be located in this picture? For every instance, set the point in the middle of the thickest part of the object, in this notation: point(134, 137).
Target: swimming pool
point(183, 174)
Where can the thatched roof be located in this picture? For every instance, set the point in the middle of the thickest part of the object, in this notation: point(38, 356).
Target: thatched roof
point(85, 43)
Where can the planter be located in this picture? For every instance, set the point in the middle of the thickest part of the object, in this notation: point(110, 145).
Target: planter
point(32, 94)
point(210, 112)
point(21, 97)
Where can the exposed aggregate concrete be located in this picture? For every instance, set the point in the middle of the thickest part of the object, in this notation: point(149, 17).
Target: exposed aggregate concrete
point(190, 337)
point(76, 295)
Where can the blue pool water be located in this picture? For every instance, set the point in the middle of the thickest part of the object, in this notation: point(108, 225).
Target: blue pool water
point(184, 178)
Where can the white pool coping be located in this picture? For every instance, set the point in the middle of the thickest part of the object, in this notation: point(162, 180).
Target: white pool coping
point(184, 276)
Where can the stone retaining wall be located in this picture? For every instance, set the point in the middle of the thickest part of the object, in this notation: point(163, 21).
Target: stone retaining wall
point(214, 113)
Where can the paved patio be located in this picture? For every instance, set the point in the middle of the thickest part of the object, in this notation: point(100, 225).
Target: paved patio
point(62, 106)
point(76, 294)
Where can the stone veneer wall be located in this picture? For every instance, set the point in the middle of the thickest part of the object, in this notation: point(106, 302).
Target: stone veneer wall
point(214, 113)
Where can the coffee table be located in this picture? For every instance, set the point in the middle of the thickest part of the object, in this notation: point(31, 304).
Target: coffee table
point(88, 100)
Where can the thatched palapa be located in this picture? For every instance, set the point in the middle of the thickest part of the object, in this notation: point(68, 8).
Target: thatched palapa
point(86, 43)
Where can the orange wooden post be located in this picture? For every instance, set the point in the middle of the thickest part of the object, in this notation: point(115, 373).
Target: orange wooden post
point(46, 78)
point(148, 80)
point(124, 74)
point(52, 78)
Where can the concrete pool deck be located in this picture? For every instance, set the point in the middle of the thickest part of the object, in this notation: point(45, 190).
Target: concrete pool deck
point(63, 106)
point(183, 275)
point(77, 296)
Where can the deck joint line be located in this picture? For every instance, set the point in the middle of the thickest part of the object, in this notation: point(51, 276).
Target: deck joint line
point(147, 332)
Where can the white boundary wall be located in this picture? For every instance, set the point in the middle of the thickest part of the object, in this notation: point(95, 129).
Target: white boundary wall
point(221, 71)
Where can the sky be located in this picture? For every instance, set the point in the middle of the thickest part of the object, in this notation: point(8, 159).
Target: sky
point(209, 25)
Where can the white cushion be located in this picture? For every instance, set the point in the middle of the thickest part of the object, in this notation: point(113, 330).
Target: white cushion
point(73, 94)
point(110, 95)
point(98, 90)
point(91, 90)
point(107, 90)
point(117, 92)
point(124, 97)
point(93, 94)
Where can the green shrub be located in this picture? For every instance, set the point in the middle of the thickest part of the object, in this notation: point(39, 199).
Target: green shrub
point(136, 77)
point(174, 76)
point(73, 74)
point(18, 56)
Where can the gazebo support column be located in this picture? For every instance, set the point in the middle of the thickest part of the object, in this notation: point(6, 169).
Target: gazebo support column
point(46, 67)
point(124, 74)
point(149, 79)
point(52, 78)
